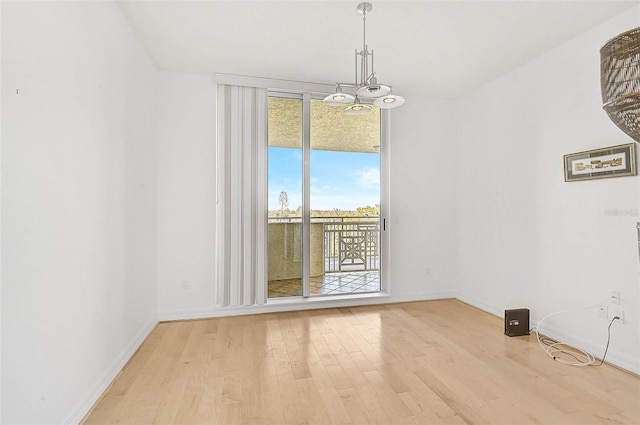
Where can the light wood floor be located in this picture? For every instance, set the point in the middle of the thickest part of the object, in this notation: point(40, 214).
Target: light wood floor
point(436, 362)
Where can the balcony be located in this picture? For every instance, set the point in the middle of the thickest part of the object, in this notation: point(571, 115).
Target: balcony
point(344, 255)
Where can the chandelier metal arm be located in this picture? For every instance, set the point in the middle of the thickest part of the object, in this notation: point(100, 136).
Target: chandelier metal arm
point(356, 68)
point(352, 85)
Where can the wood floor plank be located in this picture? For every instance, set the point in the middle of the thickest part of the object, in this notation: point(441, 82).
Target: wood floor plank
point(326, 388)
point(425, 403)
point(387, 396)
point(360, 414)
point(435, 362)
point(367, 396)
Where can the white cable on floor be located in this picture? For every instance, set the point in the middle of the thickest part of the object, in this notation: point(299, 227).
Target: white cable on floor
point(582, 357)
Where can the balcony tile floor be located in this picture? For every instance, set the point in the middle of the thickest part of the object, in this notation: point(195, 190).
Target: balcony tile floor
point(329, 284)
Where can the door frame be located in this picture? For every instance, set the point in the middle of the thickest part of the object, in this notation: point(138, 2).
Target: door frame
point(384, 251)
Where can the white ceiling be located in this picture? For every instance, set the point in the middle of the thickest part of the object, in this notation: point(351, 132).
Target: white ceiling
point(433, 48)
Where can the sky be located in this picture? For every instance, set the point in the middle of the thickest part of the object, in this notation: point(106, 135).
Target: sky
point(343, 180)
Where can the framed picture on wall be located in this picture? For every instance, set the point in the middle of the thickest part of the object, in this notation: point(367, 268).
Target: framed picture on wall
point(614, 161)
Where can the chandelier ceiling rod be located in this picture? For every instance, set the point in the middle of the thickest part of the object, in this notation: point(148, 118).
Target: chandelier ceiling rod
point(362, 8)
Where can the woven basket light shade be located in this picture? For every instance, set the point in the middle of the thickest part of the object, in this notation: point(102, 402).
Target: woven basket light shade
point(620, 81)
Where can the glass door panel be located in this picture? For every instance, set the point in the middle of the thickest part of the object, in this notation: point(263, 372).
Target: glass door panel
point(284, 240)
point(344, 201)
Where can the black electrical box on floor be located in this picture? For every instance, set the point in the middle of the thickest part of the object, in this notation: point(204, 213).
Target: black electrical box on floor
point(516, 322)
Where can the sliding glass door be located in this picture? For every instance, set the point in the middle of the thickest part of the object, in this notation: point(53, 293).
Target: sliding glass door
point(324, 201)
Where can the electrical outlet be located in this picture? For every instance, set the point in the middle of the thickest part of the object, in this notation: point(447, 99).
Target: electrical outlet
point(602, 311)
point(616, 311)
point(614, 297)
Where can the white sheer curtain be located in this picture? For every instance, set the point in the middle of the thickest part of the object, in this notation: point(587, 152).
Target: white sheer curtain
point(241, 220)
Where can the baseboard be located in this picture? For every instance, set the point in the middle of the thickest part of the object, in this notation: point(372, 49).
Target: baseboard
point(187, 314)
point(107, 378)
point(480, 305)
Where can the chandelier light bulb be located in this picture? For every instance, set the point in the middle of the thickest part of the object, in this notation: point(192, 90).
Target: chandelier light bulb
point(389, 101)
point(338, 98)
point(357, 108)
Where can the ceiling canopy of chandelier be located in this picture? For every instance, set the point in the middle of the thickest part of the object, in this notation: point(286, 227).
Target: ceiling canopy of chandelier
point(366, 84)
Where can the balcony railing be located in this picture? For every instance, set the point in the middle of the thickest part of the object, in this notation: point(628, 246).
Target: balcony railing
point(351, 246)
point(348, 243)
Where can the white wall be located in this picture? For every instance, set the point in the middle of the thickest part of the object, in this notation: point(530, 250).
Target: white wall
point(186, 194)
point(78, 205)
point(423, 215)
point(525, 237)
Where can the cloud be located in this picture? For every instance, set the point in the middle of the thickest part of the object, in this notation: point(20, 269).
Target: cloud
point(367, 177)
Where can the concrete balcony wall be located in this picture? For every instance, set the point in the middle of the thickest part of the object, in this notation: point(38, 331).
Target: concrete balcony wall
point(285, 250)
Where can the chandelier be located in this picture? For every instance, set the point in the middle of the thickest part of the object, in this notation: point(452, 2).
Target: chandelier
point(366, 84)
point(620, 81)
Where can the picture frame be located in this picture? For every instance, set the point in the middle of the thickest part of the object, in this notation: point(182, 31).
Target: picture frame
point(612, 161)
